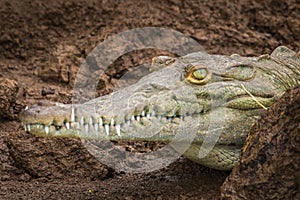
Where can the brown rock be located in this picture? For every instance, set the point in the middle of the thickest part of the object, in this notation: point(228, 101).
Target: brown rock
point(46, 158)
point(10, 96)
point(270, 164)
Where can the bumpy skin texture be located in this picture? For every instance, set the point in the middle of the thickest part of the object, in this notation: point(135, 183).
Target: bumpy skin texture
point(212, 99)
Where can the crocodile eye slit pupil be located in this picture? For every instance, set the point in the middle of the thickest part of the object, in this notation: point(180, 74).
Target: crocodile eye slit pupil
point(200, 74)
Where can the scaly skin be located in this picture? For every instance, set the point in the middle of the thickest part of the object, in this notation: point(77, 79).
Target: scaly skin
point(198, 93)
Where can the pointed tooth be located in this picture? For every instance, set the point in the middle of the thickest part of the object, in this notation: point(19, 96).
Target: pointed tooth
point(169, 119)
point(100, 122)
point(153, 113)
point(68, 125)
point(38, 126)
point(148, 115)
point(112, 122)
point(118, 129)
point(26, 108)
point(82, 120)
point(159, 117)
point(106, 126)
point(181, 117)
point(96, 127)
point(91, 120)
point(28, 127)
point(73, 114)
point(138, 118)
point(128, 122)
point(143, 114)
point(25, 127)
point(132, 118)
point(47, 129)
point(86, 126)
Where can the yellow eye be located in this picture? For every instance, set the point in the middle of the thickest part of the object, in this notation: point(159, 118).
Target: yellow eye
point(198, 75)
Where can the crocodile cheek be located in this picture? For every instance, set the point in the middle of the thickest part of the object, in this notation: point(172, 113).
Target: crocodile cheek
point(248, 103)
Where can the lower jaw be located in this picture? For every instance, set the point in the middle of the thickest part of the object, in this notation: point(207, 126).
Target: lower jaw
point(98, 136)
point(221, 157)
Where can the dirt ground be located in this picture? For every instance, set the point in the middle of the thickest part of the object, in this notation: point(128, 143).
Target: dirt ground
point(42, 45)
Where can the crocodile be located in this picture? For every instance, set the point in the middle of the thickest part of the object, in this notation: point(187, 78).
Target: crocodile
point(191, 94)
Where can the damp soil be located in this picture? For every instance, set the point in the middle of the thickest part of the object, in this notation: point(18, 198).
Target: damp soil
point(42, 45)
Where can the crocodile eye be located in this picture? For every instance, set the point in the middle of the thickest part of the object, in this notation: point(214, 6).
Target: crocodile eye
point(240, 72)
point(198, 75)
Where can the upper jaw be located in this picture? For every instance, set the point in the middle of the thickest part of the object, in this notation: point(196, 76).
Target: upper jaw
point(74, 122)
point(110, 117)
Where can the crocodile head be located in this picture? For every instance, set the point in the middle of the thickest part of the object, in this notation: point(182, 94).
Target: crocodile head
point(197, 90)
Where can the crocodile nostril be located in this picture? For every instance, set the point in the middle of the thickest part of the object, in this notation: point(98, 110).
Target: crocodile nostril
point(160, 62)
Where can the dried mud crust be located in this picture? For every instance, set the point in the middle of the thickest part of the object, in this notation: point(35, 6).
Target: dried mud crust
point(11, 98)
point(42, 45)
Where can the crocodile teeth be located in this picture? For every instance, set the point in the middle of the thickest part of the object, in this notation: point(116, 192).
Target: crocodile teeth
point(153, 113)
point(82, 121)
point(100, 122)
point(88, 123)
point(96, 127)
point(118, 129)
point(68, 125)
point(106, 126)
point(73, 114)
point(47, 129)
point(148, 115)
point(112, 122)
point(86, 126)
point(138, 118)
